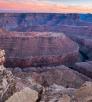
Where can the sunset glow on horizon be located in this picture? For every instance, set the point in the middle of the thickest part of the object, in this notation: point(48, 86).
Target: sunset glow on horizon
point(53, 6)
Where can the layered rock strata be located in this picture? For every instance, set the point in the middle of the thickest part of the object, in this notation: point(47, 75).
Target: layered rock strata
point(38, 49)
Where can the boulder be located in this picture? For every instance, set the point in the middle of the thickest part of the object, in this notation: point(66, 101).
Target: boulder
point(25, 95)
point(84, 93)
point(61, 94)
point(57, 93)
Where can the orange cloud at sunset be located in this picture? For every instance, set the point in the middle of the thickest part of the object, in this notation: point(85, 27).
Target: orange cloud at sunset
point(42, 7)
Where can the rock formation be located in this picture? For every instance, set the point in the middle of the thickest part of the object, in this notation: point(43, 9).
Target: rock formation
point(38, 49)
point(61, 94)
point(84, 41)
point(25, 95)
point(55, 93)
point(84, 67)
point(46, 76)
point(59, 84)
point(76, 26)
point(7, 82)
point(42, 21)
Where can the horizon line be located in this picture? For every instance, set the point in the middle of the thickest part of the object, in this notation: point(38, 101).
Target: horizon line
point(27, 11)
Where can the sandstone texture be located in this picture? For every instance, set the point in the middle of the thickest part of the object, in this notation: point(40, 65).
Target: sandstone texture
point(61, 94)
point(25, 95)
point(38, 49)
point(7, 82)
point(55, 93)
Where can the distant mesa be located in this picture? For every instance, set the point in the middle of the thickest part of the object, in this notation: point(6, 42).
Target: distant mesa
point(38, 48)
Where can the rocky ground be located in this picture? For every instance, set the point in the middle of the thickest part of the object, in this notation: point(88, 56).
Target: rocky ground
point(43, 84)
point(38, 49)
point(7, 81)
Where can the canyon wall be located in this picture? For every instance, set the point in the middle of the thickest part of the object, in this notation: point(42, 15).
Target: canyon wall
point(37, 49)
point(45, 21)
point(20, 37)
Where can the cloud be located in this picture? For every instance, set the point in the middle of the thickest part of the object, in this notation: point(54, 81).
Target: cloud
point(43, 6)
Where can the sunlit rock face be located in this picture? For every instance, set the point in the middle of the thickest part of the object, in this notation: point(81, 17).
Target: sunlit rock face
point(2, 57)
point(7, 81)
point(37, 49)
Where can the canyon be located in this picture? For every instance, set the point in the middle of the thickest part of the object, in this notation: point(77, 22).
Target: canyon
point(19, 28)
point(49, 56)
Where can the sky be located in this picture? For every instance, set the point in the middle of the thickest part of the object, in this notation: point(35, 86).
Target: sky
point(56, 6)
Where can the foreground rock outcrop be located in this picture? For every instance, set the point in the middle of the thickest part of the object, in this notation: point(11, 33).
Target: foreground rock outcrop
point(55, 93)
point(7, 82)
point(58, 83)
point(38, 49)
point(25, 95)
point(46, 76)
point(61, 94)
